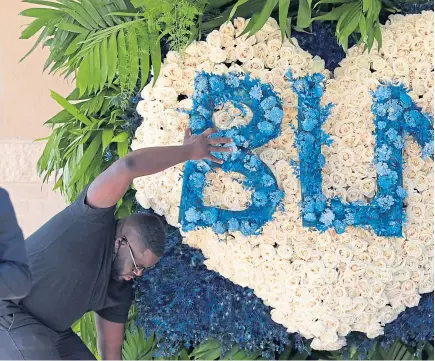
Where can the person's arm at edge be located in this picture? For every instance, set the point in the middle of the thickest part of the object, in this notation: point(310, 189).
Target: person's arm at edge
point(15, 276)
point(110, 186)
point(110, 336)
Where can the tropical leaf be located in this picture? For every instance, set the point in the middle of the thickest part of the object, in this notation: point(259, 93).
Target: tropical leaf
point(33, 28)
point(70, 108)
point(283, 13)
point(123, 60)
point(304, 14)
point(133, 54)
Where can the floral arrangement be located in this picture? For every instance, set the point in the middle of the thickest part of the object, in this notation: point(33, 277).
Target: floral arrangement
point(322, 285)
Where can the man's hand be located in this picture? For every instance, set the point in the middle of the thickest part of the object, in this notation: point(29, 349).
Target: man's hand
point(202, 145)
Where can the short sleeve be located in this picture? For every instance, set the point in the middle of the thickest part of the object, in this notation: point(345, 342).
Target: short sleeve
point(119, 299)
point(96, 215)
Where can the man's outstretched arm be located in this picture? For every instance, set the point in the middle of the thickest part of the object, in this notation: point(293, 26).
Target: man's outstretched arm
point(110, 186)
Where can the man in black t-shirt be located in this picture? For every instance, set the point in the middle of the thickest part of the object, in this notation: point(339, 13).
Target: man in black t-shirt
point(82, 259)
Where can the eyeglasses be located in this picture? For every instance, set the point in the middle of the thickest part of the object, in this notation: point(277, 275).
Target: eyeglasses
point(136, 267)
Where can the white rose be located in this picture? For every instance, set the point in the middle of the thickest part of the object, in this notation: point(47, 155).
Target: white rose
point(363, 285)
point(408, 287)
point(163, 81)
point(411, 300)
point(270, 26)
point(217, 55)
point(271, 60)
point(261, 36)
point(227, 30)
point(254, 66)
point(173, 57)
point(239, 25)
point(274, 46)
point(317, 344)
point(426, 285)
point(374, 330)
point(413, 249)
point(285, 251)
point(244, 52)
point(344, 329)
point(275, 35)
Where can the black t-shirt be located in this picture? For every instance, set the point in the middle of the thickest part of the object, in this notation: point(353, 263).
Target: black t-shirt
point(71, 260)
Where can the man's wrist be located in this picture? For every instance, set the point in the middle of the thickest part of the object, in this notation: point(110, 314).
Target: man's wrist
point(188, 151)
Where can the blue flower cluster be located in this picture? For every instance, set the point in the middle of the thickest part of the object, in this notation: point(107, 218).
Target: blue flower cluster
point(212, 91)
point(413, 327)
point(184, 304)
point(395, 114)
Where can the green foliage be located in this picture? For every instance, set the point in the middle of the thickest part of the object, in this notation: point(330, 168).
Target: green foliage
point(82, 131)
point(85, 329)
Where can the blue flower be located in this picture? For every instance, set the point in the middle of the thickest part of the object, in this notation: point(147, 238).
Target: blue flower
point(428, 151)
point(232, 80)
point(247, 228)
point(382, 125)
point(219, 228)
point(276, 196)
point(198, 180)
point(203, 111)
point(385, 202)
point(382, 93)
point(382, 169)
point(405, 100)
point(275, 115)
point(321, 161)
point(265, 127)
point(233, 225)
point(268, 103)
point(388, 181)
point(380, 109)
point(383, 153)
point(260, 198)
point(216, 83)
point(289, 74)
point(267, 180)
point(327, 217)
point(201, 83)
point(310, 217)
point(339, 227)
point(401, 192)
point(308, 205)
point(395, 110)
point(412, 118)
point(210, 216)
point(192, 215)
point(256, 92)
point(203, 166)
point(252, 163)
point(308, 124)
point(300, 85)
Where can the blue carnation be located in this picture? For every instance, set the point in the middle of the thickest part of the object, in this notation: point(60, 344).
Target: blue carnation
point(388, 181)
point(412, 118)
point(308, 205)
point(321, 161)
point(219, 228)
point(268, 103)
point(428, 151)
point(339, 227)
point(385, 202)
point(260, 198)
point(382, 93)
point(267, 180)
point(300, 85)
point(233, 225)
point(252, 163)
point(210, 216)
point(382, 169)
point(405, 100)
point(380, 109)
point(203, 111)
point(310, 217)
point(197, 179)
point(392, 134)
point(289, 74)
point(216, 83)
point(201, 83)
point(327, 217)
point(383, 153)
point(275, 115)
point(395, 110)
point(203, 166)
point(265, 127)
point(308, 124)
point(232, 80)
point(256, 92)
point(192, 215)
point(247, 228)
point(382, 125)
point(197, 122)
point(276, 196)
point(401, 192)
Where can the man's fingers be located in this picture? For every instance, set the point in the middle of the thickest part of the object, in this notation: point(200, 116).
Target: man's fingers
point(212, 148)
point(219, 140)
point(187, 133)
point(214, 159)
point(210, 131)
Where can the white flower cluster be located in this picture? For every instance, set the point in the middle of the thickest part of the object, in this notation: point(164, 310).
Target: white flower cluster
point(322, 285)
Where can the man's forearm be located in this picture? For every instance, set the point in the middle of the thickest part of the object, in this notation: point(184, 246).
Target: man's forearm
point(152, 160)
